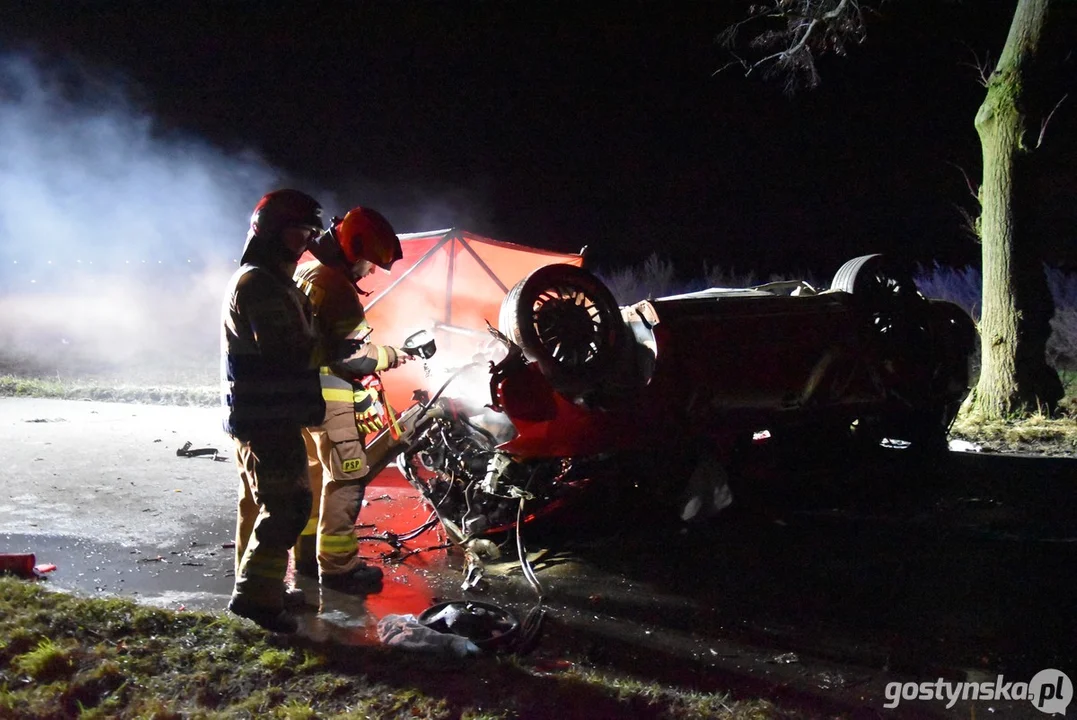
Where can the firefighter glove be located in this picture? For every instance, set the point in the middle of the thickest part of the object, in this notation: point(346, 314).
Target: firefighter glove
point(367, 411)
point(393, 357)
point(369, 422)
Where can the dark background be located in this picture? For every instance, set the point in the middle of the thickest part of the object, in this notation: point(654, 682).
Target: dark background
point(564, 125)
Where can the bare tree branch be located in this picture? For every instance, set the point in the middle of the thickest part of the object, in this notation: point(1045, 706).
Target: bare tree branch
point(789, 51)
point(735, 61)
point(792, 32)
point(838, 10)
point(974, 189)
point(785, 54)
point(1043, 125)
point(970, 224)
point(982, 68)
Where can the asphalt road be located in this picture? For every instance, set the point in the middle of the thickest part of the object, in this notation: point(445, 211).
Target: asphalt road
point(829, 585)
point(97, 490)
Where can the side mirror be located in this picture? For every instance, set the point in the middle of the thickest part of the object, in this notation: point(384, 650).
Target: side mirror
point(420, 344)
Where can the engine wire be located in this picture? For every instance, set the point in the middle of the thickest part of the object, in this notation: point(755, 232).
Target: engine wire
point(521, 551)
point(532, 622)
point(531, 625)
point(409, 535)
point(416, 551)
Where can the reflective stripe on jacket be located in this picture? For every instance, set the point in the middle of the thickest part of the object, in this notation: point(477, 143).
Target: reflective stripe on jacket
point(341, 323)
point(269, 371)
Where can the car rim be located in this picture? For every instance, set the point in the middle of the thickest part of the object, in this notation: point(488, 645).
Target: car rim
point(568, 324)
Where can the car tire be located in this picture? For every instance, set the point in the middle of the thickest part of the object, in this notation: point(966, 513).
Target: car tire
point(877, 279)
point(897, 324)
point(567, 322)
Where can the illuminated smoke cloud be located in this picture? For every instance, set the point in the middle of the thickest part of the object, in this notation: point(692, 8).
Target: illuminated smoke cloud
point(117, 236)
point(116, 239)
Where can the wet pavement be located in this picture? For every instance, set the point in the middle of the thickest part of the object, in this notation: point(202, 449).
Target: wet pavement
point(818, 589)
point(195, 577)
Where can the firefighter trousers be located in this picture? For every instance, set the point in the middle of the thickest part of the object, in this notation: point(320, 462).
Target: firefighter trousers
point(274, 503)
point(337, 469)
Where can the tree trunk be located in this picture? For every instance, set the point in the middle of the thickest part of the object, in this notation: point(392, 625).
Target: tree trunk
point(1015, 378)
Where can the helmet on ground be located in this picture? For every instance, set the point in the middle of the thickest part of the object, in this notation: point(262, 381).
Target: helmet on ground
point(364, 234)
point(285, 208)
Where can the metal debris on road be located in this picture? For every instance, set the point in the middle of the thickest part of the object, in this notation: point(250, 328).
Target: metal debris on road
point(187, 451)
point(784, 659)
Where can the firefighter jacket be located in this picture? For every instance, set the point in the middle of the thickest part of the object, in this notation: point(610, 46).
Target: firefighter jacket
point(269, 369)
point(342, 333)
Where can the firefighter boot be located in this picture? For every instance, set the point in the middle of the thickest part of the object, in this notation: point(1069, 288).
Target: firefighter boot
point(306, 555)
point(362, 578)
point(278, 621)
point(294, 598)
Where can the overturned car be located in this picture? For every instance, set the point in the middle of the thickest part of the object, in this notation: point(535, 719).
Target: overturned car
point(580, 381)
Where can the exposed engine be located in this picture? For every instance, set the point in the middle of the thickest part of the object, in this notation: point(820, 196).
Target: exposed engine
point(475, 488)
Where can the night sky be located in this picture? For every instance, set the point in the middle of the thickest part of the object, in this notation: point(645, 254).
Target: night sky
point(562, 126)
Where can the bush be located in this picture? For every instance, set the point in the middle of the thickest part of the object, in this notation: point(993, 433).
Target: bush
point(962, 286)
point(656, 277)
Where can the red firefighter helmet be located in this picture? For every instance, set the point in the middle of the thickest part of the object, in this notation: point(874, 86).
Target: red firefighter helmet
point(284, 208)
point(364, 234)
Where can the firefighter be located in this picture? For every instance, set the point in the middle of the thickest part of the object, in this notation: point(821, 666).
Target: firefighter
point(344, 254)
point(270, 390)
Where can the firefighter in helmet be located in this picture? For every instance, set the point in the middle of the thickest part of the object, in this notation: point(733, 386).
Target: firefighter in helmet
point(270, 390)
point(344, 254)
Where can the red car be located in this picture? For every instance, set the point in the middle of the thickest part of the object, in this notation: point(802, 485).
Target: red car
point(583, 382)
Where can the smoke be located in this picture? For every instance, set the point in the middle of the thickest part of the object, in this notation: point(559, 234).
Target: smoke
point(116, 236)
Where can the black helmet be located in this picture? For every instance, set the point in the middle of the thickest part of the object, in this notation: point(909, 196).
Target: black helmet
point(275, 212)
point(282, 208)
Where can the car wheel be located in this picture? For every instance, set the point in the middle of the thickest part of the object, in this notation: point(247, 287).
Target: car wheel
point(878, 280)
point(897, 336)
point(895, 312)
point(568, 322)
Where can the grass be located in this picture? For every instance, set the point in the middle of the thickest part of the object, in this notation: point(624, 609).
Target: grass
point(63, 656)
point(108, 391)
point(190, 383)
point(1038, 434)
point(170, 381)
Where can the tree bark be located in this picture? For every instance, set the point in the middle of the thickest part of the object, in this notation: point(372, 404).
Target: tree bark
point(1015, 378)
